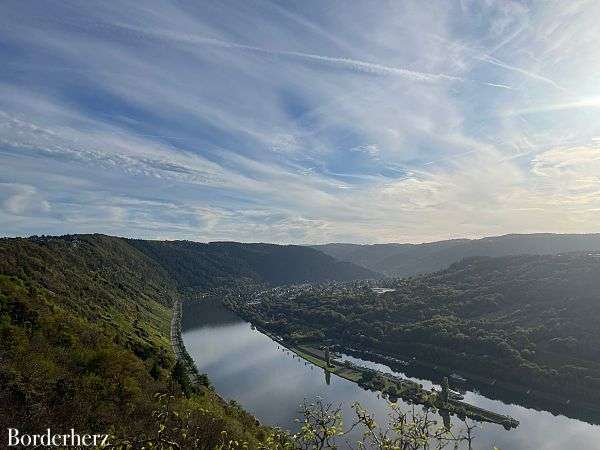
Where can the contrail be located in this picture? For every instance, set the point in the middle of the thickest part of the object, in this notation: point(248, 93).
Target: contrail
point(348, 63)
point(352, 64)
point(501, 86)
point(592, 102)
point(535, 76)
point(366, 67)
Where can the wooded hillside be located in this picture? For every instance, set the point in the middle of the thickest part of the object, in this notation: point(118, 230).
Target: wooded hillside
point(84, 326)
point(529, 320)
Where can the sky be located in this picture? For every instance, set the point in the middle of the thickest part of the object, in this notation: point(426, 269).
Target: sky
point(299, 121)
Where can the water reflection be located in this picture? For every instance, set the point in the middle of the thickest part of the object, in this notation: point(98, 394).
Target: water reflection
point(271, 382)
point(432, 378)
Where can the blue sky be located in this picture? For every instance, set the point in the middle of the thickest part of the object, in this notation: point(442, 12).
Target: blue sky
point(299, 122)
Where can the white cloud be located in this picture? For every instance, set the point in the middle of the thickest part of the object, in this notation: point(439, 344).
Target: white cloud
point(22, 200)
point(371, 150)
point(573, 174)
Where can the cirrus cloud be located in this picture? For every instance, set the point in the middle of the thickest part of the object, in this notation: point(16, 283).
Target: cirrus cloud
point(299, 122)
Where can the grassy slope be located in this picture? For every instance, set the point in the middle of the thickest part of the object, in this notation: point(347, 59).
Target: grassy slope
point(84, 323)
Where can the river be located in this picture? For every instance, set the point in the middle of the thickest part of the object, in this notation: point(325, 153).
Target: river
point(271, 382)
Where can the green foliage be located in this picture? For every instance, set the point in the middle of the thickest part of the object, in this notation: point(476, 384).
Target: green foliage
point(320, 426)
point(84, 327)
point(529, 319)
point(58, 368)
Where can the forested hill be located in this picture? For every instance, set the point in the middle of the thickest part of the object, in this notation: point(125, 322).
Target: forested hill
point(84, 333)
point(197, 265)
point(528, 320)
point(403, 260)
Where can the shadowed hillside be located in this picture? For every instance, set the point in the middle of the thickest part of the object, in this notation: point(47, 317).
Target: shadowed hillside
point(200, 266)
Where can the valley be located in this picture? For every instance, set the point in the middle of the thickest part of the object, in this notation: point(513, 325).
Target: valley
point(113, 324)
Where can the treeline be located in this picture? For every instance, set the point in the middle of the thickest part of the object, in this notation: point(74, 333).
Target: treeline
point(527, 320)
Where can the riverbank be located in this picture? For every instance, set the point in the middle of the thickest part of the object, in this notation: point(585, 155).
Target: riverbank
point(486, 375)
point(391, 386)
point(540, 400)
point(181, 354)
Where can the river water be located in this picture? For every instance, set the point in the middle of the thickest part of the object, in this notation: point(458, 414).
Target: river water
point(271, 382)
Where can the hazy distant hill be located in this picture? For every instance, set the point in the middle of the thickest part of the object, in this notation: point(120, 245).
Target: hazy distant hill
point(412, 259)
